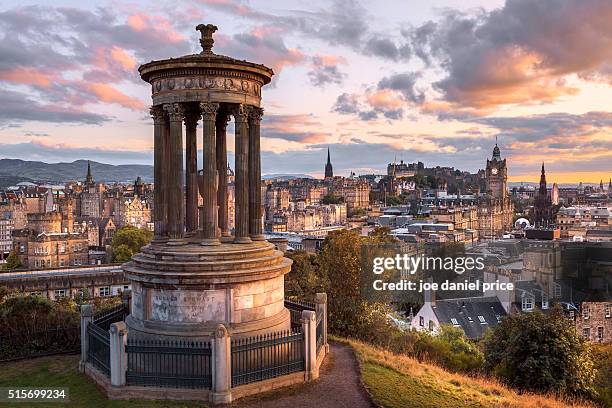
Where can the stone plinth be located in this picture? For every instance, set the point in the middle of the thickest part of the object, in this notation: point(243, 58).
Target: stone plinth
point(188, 290)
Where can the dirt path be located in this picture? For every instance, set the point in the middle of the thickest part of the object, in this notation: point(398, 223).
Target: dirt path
point(337, 387)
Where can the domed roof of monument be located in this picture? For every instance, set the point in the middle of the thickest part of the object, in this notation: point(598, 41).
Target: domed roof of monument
point(205, 59)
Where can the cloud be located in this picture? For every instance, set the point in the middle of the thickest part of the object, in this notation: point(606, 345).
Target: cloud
point(343, 23)
point(261, 44)
point(520, 53)
point(293, 128)
point(52, 152)
point(404, 83)
point(70, 57)
point(18, 107)
point(325, 70)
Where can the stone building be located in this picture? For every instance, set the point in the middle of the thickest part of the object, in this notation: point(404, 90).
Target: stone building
point(495, 208)
point(594, 321)
point(133, 211)
point(43, 244)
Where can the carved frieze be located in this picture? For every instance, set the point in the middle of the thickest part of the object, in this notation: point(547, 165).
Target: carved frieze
point(244, 86)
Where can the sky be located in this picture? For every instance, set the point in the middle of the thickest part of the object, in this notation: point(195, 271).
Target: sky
point(436, 81)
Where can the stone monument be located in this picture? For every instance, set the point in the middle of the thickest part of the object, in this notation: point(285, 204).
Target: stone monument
point(195, 275)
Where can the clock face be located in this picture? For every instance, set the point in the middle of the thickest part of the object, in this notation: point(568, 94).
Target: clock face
point(494, 171)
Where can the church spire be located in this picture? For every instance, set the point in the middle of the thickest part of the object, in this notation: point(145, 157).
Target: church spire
point(329, 171)
point(89, 178)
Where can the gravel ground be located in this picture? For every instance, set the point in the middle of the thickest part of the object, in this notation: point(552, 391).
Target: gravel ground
point(337, 387)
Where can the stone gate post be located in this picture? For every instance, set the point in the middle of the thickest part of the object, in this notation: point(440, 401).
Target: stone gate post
point(222, 367)
point(309, 328)
point(87, 312)
point(118, 355)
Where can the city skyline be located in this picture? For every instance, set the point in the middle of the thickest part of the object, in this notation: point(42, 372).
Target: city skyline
point(438, 84)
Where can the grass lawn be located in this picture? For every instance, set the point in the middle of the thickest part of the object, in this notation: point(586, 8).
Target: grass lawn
point(398, 381)
point(61, 371)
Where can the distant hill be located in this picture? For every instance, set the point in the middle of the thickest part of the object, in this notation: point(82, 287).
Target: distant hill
point(13, 171)
point(285, 176)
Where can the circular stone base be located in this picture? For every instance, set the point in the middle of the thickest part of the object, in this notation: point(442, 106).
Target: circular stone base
point(185, 291)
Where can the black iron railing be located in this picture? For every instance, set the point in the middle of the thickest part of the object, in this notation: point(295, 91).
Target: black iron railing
point(295, 308)
point(262, 357)
point(173, 364)
point(98, 352)
point(107, 317)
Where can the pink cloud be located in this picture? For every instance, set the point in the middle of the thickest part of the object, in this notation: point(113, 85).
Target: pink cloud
point(109, 94)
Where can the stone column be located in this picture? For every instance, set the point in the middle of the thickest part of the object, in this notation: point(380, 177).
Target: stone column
point(210, 214)
point(309, 328)
point(118, 355)
point(221, 126)
point(255, 229)
point(321, 308)
point(175, 198)
point(87, 313)
point(191, 170)
point(242, 175)
point(222, 367)
point(159, 151)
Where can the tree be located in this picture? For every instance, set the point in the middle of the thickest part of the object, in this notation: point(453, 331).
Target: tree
point(331, 199)
point(12, 262)
point(393, 200)
point(303, 281)
point(127, 241)
point(540, 352)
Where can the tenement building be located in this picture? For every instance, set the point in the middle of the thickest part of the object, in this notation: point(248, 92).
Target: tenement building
point(43, 244)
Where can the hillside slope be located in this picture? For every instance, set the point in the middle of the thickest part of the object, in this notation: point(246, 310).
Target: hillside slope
point(397, 381)
point(76, 170)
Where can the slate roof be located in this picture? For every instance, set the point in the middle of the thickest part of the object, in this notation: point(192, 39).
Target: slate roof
point(466, 312)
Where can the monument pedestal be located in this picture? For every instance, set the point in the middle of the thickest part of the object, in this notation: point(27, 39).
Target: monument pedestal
point(187, 291)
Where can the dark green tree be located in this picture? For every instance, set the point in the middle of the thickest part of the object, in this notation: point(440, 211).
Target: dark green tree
point(12, 262)
point(127, 241)
point(540, 352)
point(303, 280)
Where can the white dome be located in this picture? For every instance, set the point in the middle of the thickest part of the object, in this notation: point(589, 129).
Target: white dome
point(521, 223)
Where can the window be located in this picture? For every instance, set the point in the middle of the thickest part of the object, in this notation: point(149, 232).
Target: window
point(421, 321)
point(600, 334)
point(105, 291)
point(126, 287)
point(470, 319)
point(544, 301)
point(557, 290)
point(527, 304)
point(571, 314)
point(586, 312)
point(454, 321)
point(498, 317)
point(60, 293)
point(431, 325)
point(482, 320)
point(608, 310)
point(586, 333)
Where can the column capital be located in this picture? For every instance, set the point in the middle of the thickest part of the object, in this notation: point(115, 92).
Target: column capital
point(255, 114)
point(241, 113)
point(176, 111)
point(223, 117)
point(209, 110)
point(158, 114)
point(192, 116)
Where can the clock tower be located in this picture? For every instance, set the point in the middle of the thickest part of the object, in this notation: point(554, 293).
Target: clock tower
point(497, 175)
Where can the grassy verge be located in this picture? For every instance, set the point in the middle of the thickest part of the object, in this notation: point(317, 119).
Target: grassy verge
point(61, 371)
point(397, 381)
